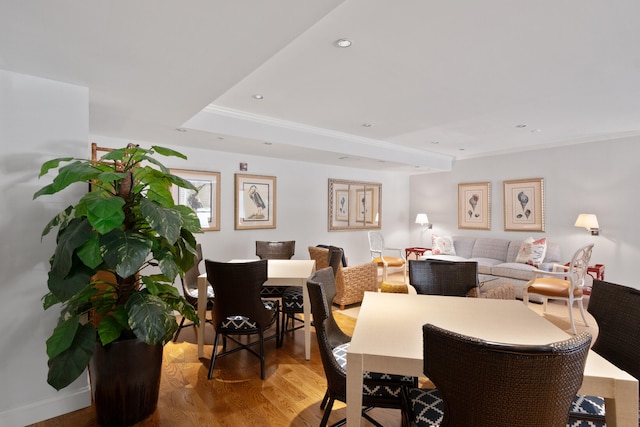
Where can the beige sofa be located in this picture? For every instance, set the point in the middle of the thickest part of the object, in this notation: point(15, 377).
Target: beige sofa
point(497, 264)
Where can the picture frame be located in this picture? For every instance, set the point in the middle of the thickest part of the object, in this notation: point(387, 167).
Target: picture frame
point(354, 205)
point(474, 206)
point(255, 202)
point(205, 202)
point(524, 205)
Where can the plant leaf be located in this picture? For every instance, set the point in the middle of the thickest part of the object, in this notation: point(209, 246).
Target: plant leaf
point(167, 222)
point(168, 152)
point(190, 220)
point(61, 218)
point(104, 213)
point(68, 365)
point(124, 252)
point(52, 164)
point(76, 234)
point(150, 318)
point(109, 330)
point(89, 253)
point(62, 337)
point(66, 287)
point(78, 171)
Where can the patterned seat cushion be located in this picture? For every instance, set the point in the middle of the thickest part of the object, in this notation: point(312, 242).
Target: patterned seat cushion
point(374, 381)
point(242, 323)
point(586, 405)
point(292, 300)
point(272, 291)
point(427, 407)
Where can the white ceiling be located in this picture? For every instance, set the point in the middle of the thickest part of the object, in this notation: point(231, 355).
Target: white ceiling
point(436, 80)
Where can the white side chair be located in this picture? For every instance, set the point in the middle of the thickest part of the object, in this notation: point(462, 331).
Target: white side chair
point(563, 283)
point(378, 250)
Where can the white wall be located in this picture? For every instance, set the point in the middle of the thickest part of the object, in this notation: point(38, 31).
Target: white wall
point(598, 178)
point(301, 203)
point(39, 120)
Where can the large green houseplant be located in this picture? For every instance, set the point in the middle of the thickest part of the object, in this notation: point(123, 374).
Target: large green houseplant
point(127, 225)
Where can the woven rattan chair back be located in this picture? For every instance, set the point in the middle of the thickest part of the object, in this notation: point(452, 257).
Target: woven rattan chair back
point(616, 309)
point(503, 385)
point(439, 277)
point(275, 250)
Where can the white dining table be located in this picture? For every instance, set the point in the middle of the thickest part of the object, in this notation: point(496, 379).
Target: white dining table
point(388, 338)
point(280, 272)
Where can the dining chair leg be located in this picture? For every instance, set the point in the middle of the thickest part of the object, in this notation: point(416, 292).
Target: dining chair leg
point(324, 399)
point(262, 354)
point(584, 317)
point(213, 354)
point(573, 323)
point(327, 411)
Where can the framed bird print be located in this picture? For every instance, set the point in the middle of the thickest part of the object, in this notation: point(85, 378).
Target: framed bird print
point(474, 209)
point(524, 205)
point(354, 205)
point(255, 197)
point(205, 201)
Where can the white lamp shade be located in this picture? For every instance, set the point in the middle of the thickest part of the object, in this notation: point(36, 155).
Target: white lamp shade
point(422, 219)
point(588, 221)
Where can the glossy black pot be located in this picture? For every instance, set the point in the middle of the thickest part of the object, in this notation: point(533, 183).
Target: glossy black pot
point(125, 381)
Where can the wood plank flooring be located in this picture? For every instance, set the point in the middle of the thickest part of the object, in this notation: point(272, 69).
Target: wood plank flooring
point(289, 396)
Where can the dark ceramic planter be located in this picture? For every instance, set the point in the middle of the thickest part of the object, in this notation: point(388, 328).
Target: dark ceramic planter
point(125, 381)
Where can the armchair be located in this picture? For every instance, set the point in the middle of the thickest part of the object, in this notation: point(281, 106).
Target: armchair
point(378, 250)
point(351, 282)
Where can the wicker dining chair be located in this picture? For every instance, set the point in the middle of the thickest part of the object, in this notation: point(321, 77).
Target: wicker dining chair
point(439, 277)
point(274, 250)
point(351, 281)
point(239, 310)
point(480, 383)
point(615, 309)
point(379, 390)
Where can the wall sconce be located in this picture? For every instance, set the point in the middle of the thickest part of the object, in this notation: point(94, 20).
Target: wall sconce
point(423, 220)
point(590, 222)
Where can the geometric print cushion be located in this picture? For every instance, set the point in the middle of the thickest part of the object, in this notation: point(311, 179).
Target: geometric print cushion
point(272, 291)
point(292, 300)
point(591, 405)
point(243, 323)
point(427, 407)
point(393, 390)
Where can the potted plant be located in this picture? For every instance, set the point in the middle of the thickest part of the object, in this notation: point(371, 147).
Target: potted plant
point(118, 251)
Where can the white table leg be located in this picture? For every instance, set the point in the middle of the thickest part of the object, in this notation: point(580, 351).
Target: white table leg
point(354, 389)
point(622, 410)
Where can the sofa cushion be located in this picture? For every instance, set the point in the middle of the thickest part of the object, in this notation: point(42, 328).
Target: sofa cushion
point(442, 245)
point(514, 270)
point(464, 245)
point(491, 248)
point(485, 265)
point(532, 251)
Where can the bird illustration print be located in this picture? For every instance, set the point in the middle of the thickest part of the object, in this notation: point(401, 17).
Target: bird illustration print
point(256, 198)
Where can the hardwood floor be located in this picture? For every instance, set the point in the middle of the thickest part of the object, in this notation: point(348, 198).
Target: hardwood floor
point(289, 396)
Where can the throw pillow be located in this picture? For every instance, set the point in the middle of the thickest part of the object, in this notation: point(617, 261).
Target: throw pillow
point(532, 251)
point(442, 245)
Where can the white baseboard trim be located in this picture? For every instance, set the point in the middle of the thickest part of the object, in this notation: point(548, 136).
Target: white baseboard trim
point(46, 409)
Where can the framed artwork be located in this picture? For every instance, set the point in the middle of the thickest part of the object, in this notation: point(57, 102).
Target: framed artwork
point(255, 197)
point(524, 205)
point(474, 209)
point(354, 205)
point(205, 201)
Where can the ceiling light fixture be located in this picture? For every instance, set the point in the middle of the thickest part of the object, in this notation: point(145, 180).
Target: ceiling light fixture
point(521, 125)
point(258, 96)
point(268, 143)
point(366, 125)
point(181, 129)
point(435, 142)
point(343, 42)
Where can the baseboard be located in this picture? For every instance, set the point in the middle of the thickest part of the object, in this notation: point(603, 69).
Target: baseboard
point(46, 409)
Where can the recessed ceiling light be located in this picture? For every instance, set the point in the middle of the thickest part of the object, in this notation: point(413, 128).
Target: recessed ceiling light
point(536, 130)
point(522, 125)
point(460, 149)
point(435, 142)
point(258, 96)
point(268, 143)
point(343, 42)
point(181, 129)
point(366, 125)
